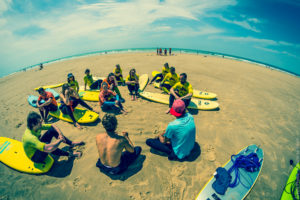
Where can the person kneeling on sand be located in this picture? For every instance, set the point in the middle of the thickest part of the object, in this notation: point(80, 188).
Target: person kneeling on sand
point(179, 138)
point(112, 159)
point(118, 74)
point(132, 81)
point(37, 146)
point(108, 99)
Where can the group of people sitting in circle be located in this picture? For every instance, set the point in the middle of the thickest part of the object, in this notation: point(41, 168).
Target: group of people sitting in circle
point(116, 151)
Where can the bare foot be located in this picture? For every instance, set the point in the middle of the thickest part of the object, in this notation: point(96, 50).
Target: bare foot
point(77, 125)
point(168, 111)
point(132, 98)
point(135, 98)
point(76, 154)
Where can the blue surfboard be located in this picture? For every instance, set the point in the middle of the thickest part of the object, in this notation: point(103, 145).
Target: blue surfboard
point(247, 180)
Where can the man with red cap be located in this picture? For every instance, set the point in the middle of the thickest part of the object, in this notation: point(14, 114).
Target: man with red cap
point(179, 138)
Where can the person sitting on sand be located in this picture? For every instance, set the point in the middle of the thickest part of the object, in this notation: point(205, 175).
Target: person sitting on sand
point(118, 74)
point(69, 100)
point(37, 146)
point(179, 138)
point(132, 81)
point(108, 99)
point(49, 104)
point(88, 80)
point(169, 81)
point(112, 159)
point(181, 90)
point(161, 75)
point(72, 82)
point(112, 85)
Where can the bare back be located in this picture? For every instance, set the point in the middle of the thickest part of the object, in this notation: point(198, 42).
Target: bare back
point(110, 148)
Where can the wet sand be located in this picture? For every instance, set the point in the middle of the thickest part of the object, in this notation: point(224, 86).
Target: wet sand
point(257, 106)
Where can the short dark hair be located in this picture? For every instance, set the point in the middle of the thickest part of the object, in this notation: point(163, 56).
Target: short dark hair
point(33, 119)
point(166, 64)
point(41, 89)
point(184, 74)
point(172, 69)
point(87, 71)
point(109, 122)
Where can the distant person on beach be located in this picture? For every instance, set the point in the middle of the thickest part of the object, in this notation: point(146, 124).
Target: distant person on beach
point(113, 85)
point(181, 90)
point(69, 100)
point(108, 99)
point(112, 158)
point(118, 74)
point(41, 66)
point(72, 82)
point(88, 80)
point(49, 104)
point(37, 146)
point(170, 51)
point(169, 80)
point(165, 70)
point(166, 52)
point(132, 81)
point(160, 51)
point(179, 138)
point(156, 51)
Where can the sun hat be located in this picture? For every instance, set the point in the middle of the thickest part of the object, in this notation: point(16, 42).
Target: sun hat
point(178, 108)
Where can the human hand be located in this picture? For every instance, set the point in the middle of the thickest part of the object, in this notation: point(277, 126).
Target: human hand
point(125, 134)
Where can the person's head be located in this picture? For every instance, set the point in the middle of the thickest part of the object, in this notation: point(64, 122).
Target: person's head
point(178, 108)
point(111, 76)
point(109, 122)
point(71, 77)
point(34, 121)
point(104, 86)
point(118, 66)
point(166, 65)
point(172, 70)
point(87, 71)
point(41, 91)
point(132, 72)
point(183, 78)
point(65, 87)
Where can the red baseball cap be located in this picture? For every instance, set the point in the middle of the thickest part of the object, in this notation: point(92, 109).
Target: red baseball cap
point(178, 108)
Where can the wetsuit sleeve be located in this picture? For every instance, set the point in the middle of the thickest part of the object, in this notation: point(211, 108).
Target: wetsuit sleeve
point(166, 78)
point(190, 88)
point(77, 85)
point(127, 78)
point(35, 143)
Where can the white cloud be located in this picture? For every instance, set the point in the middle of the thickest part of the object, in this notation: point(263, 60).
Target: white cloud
point(203, 30)
point(245, 23)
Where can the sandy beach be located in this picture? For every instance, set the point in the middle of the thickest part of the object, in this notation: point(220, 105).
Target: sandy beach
point(257, 106)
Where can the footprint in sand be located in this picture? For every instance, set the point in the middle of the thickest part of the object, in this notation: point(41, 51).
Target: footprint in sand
point(210, 154)
point(78, 183)
point(178, 171)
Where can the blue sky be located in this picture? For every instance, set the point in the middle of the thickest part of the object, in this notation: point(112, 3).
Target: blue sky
point(33, 31)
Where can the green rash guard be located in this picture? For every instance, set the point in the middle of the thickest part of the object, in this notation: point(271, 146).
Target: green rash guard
point(88, 79)
point(31, 142)
point(74, 85)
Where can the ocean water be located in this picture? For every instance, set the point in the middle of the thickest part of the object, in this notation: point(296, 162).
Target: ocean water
point(174, 50)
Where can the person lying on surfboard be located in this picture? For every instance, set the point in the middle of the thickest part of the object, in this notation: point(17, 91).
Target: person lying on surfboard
point(108, 99)
point(118, 74)
point(132, 81)
point(165, 70)
point(88, 80)
point(169, 80)
point(37, 146)
point(69, 100)
point(181, 90)
point(50, 103)
point(72, 82)
point(110, 145)
point(179, 138)
point(113, 85)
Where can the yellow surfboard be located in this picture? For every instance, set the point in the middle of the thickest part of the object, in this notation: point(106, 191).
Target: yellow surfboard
point(194, 104)
point(143, 81)
point(81, 115)
point(89, 95)
point(13, 155)
point(196, 93)
point(50, 86)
